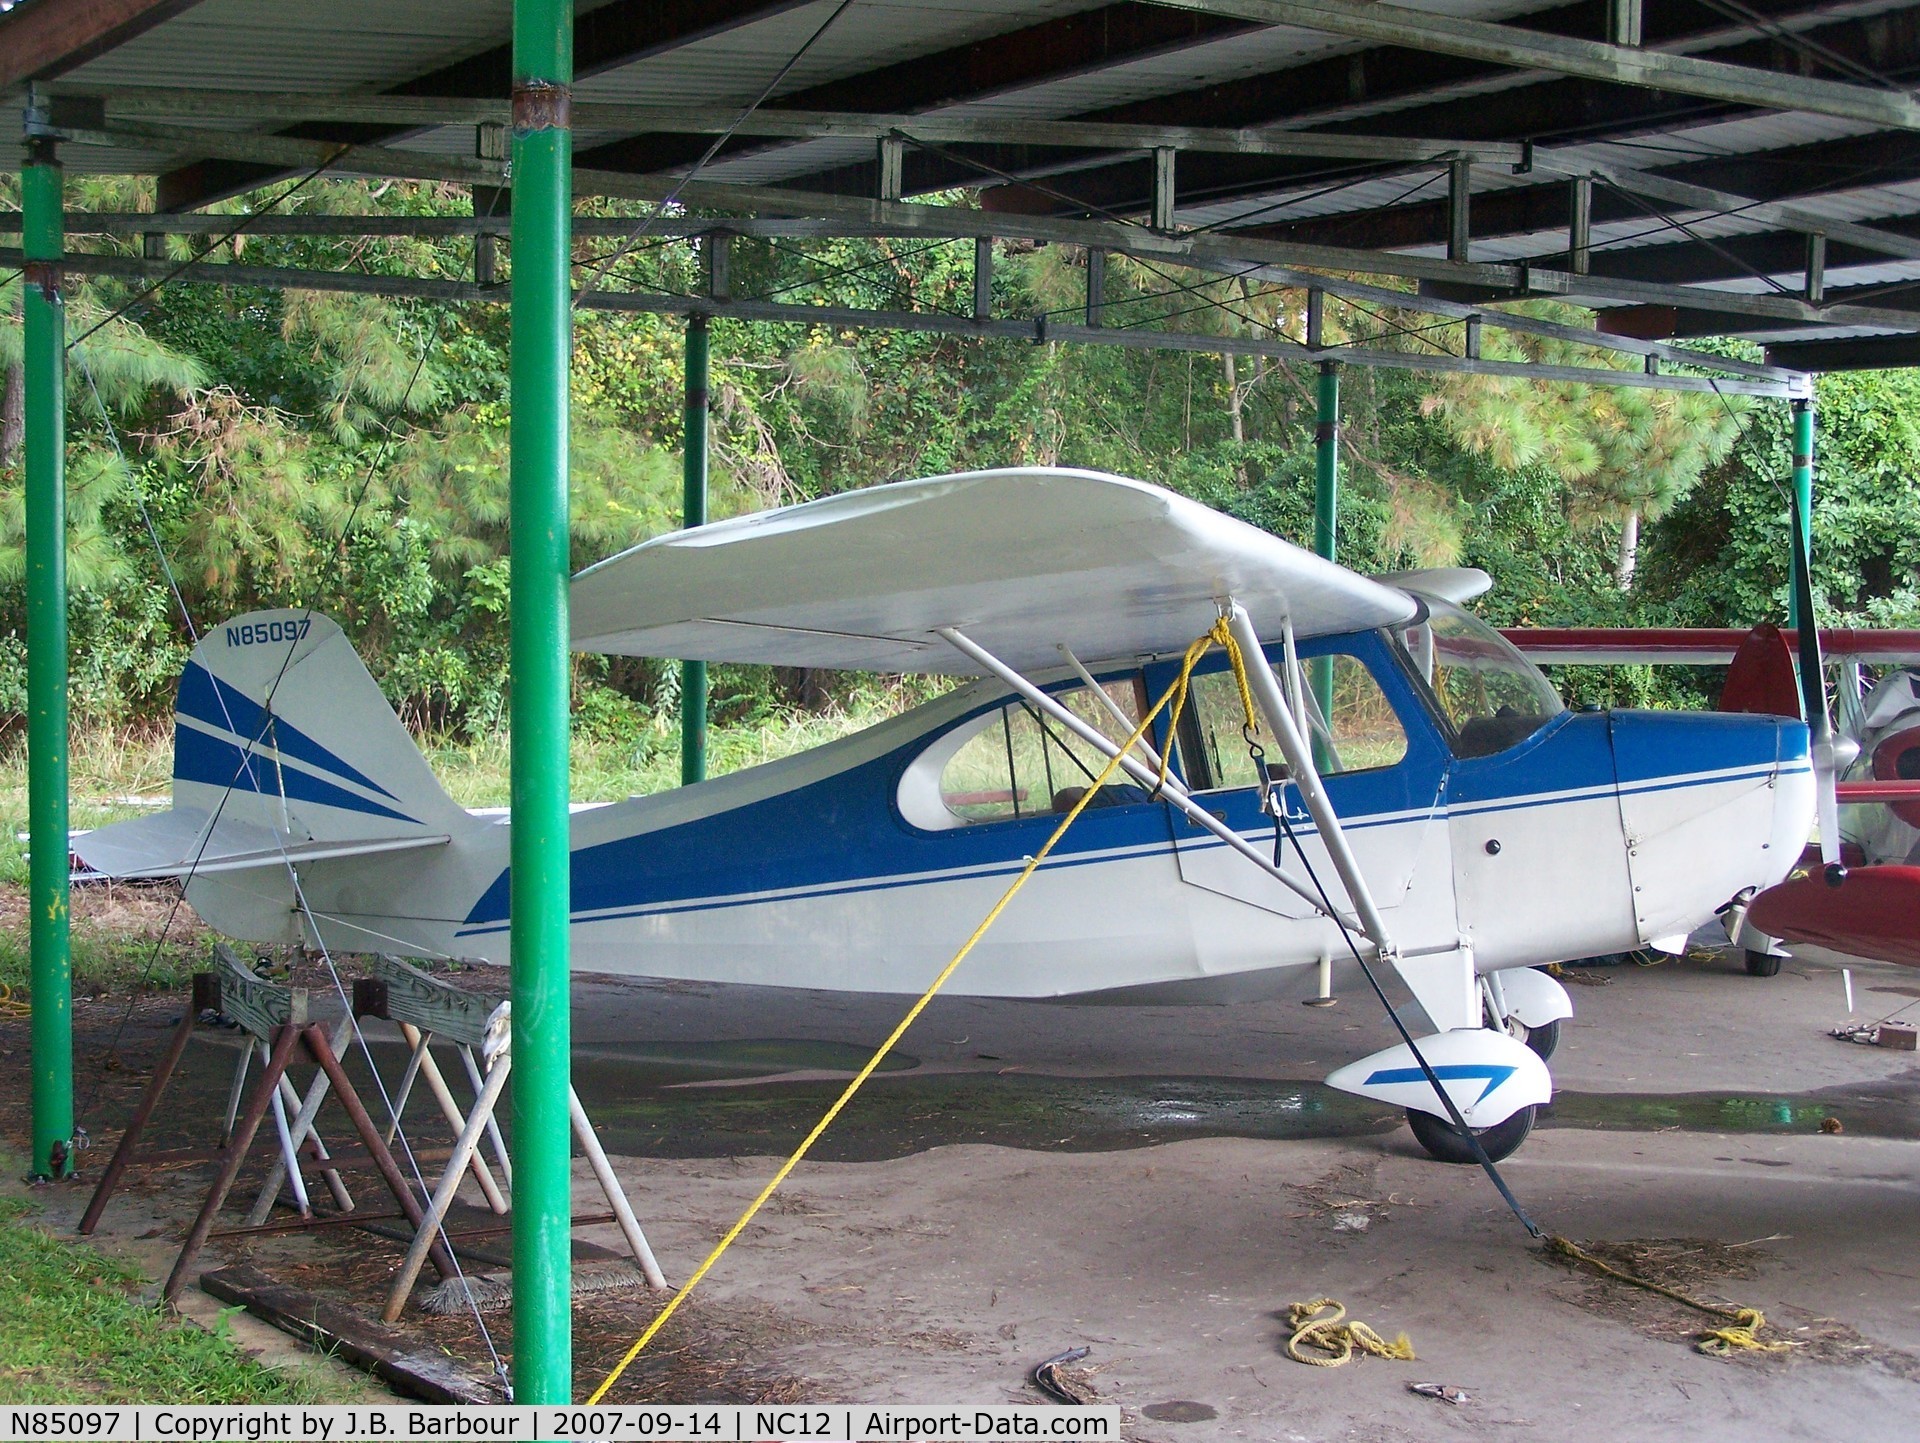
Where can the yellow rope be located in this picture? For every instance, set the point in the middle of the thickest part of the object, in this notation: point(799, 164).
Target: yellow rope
point(1314, 1326)
point(1177, 693)
point(1741, 1334)
point(11, 1006)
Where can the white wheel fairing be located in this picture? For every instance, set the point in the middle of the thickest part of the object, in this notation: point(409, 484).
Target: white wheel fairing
point(1534, 999)
point(1487, 1074)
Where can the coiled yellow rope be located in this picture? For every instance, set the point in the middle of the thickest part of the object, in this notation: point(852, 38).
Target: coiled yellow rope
point(1315, 1327)
point(1218, 635)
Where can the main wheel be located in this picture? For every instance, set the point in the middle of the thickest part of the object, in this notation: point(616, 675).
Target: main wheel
point(1544, 1039)
point(1501, 1140)
point(1763, 964)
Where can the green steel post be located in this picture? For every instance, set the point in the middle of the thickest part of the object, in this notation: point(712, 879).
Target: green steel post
point(46, 557)
point(1803, 494)
point(1326, 503)
point(542, 297)
point(693, 674)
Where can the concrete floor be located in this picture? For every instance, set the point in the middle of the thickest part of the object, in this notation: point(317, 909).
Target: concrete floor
point(943, 1275)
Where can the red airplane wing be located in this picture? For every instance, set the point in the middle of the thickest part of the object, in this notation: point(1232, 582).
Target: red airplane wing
point(1875, 912)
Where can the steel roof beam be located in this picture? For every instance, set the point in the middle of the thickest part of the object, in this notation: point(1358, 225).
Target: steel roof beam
point(1195, 248)
point(935, 322)
point(46, 38)
point(1509, 45)
point(1852, 353)
point(1561, 108)
point(307, 223)
point(1661, 323)
point(1761, 180)
point(1054, 49)
point(132, 223)
point(157, 103)
point(1775, 253)
point(605, 38)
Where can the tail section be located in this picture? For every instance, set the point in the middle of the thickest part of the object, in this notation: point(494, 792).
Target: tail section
point(284, 752)
point(278, 723)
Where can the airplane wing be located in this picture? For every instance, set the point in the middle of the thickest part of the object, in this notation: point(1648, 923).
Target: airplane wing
point(1694, 646)
point(1458, 584)
point(1020, 560)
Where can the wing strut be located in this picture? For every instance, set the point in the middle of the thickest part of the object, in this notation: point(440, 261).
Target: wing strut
point(1293, 746)
point(1176, 794)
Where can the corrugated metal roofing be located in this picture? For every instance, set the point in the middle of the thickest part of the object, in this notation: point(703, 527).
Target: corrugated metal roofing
point(1065, 59)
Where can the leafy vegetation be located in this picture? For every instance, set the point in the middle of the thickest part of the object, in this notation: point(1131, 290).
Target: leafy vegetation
point(350, 454)
point(71, 1332)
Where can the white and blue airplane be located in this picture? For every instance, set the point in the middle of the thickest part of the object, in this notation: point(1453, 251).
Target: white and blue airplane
point(1464, 824)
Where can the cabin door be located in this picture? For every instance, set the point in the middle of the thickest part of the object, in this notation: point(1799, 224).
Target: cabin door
point(1385, 771)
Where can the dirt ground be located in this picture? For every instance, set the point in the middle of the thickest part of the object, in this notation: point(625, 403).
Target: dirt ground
point(946, 1253)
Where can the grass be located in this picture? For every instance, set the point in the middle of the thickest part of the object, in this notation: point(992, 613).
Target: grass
point(72, 1332)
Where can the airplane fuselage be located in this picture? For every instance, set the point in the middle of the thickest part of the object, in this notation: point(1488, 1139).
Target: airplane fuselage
point(848, 867)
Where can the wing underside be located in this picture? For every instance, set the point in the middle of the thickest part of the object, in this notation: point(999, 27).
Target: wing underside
point(1022, 561)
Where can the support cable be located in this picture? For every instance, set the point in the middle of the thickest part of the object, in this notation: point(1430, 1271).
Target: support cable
point(245, 768)
point(246, 220)
point(1806, 45)
point(1687, 229)
point(1467, 1134)
point(1235, 222)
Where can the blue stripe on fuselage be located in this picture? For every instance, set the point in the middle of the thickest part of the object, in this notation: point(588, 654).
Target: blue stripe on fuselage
point(843, 833)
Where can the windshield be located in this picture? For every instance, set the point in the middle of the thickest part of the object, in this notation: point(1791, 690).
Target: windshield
point(1492, 695)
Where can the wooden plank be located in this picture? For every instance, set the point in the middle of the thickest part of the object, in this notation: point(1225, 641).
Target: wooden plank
point(434, 1005)
point(328, 1327)
point(257, 1005)
point(50, 37)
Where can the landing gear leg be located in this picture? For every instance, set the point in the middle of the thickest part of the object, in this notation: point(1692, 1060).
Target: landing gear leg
point(1502, 1012)
point(1544, 1039)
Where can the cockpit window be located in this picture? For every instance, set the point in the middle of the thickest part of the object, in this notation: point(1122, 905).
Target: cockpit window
point(1019, 762)
point(1362, 733)
point(1491, 694)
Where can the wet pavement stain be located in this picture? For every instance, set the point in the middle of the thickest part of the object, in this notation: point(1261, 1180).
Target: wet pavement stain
point(908, 1113)
point(664, 1064)
point(1874, 1110)
point(905, 1114)
point(641, 1100)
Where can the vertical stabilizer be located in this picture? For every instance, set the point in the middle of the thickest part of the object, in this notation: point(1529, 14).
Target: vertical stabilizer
point(277, 723)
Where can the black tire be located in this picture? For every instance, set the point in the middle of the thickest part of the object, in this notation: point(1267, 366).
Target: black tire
point(1544, 1039)
point(1501, 1140)
point(1763, 964)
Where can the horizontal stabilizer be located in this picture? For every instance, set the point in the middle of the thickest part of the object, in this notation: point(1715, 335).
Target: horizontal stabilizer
point(180, 843)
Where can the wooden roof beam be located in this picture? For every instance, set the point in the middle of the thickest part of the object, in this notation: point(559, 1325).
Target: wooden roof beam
point(50, 37)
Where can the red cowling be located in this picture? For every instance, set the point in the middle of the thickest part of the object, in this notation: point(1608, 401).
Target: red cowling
point(1874, 912)
point(1761, 678)
point(1897, 759)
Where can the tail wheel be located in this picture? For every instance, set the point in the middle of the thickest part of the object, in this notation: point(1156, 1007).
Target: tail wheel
point(1500, 1141)
point(1544, 1039)
point(1763, 964)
